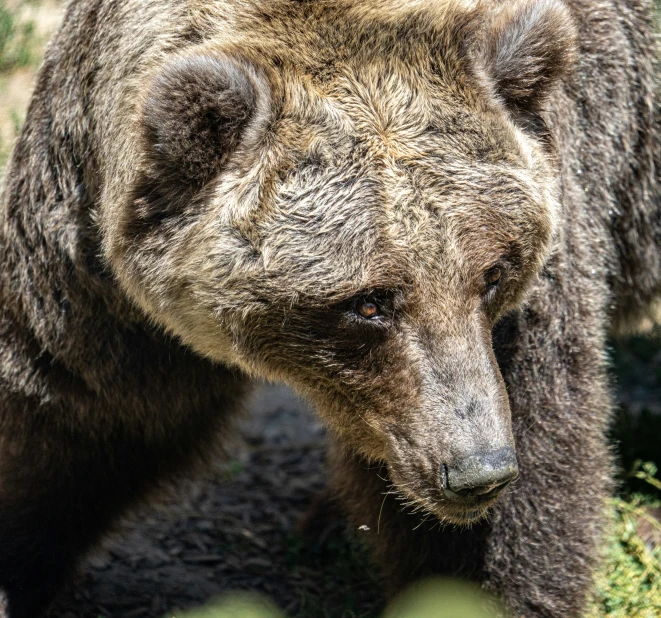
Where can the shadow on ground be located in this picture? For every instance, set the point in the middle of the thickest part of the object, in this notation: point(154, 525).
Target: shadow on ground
point(236, 529)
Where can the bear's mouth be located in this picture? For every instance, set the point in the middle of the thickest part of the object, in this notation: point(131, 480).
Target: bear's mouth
point(449, 512)
point(467, 516)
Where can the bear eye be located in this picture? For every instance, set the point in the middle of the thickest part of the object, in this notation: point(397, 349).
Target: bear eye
point(492, 277)
point(367, 308)
point(376, 307)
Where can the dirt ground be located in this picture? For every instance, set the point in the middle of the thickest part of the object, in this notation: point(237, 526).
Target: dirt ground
point(234, 529)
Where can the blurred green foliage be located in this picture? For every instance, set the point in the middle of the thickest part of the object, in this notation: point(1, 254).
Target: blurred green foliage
point(20, 48)
point(444, 598)
point(237, 605)
point(18, 40)
point(440, 598)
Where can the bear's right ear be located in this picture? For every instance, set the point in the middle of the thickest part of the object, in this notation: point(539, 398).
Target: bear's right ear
point(193, 117)
point(528, 46)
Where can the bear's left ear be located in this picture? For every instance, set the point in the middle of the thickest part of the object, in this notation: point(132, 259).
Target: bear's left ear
point(529, 45)
point(194, 115)
point(195, 112)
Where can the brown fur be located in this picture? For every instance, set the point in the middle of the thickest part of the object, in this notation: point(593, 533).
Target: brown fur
point(206, 191)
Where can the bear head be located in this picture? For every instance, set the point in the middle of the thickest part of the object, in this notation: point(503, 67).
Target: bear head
point(347, 197)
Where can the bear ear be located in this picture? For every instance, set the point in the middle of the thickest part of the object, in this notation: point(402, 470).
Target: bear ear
point(529, 45)
point(195, 110)
point(194, 114)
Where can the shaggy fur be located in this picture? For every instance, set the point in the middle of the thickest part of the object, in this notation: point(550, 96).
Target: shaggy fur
point(205, 191)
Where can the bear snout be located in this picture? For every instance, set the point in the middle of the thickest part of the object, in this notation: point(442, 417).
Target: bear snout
point(480, 476)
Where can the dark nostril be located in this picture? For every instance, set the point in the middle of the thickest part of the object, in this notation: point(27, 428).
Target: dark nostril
point(480, 475)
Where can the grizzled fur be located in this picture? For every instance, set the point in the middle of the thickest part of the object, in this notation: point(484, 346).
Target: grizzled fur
point(206, 191)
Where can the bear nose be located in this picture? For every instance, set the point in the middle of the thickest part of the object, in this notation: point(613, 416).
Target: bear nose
point(481, 475)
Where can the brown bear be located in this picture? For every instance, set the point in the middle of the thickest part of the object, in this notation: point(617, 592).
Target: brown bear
point(424, 216)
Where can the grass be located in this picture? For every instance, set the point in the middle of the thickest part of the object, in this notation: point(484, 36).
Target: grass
point(18, 45)
point(628, 586)
point(21, 47)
